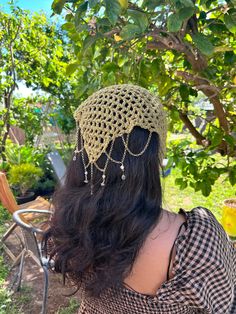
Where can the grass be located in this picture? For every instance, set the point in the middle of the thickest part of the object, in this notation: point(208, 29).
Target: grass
point(72, 308)
point(13, 303)
point(5, 296)
point(4, 217)
point(188, 198)
point(9, 303)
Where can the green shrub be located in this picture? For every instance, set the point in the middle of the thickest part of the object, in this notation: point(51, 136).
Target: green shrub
point(24, 176)
point(21, 154)
point(4, 217)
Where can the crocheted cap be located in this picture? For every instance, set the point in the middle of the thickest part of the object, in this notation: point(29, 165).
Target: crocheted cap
point(116, 110)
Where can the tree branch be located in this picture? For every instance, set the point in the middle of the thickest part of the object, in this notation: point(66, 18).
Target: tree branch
point(172, 42)
point(211, 92)
point(200, 139)
point(112, 32)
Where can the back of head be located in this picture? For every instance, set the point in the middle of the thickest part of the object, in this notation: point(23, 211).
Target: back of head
point(112, 195)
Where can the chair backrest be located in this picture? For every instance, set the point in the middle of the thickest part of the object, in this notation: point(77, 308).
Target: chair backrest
point(58, 165)
point(31, 244)
point(6, 196)
point(30, 232)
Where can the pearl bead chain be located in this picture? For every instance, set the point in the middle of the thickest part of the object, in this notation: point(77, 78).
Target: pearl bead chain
point(121, 163)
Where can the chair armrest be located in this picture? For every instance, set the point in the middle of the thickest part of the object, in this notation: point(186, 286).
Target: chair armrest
point(21, 223)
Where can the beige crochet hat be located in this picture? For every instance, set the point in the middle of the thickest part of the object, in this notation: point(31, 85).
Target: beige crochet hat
point(112, 112)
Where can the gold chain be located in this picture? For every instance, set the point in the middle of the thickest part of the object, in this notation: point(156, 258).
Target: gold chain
point(145, 147)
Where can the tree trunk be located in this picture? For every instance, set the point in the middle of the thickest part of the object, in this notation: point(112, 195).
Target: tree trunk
point(6, 125)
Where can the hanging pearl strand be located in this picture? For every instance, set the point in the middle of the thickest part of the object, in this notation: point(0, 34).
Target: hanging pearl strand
point(123, 176)
point(77, 151)
point(85, 166)
point(91, 181)
point(103, 170)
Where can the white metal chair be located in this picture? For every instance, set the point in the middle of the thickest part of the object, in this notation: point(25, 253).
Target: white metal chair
point(32, 247)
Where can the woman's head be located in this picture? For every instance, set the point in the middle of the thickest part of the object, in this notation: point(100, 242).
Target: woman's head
point(97, 237)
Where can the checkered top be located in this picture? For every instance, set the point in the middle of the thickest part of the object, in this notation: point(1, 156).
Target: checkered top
point(204, 276)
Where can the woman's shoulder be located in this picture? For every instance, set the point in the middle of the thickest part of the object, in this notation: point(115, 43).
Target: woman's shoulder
point(202, 220)
point(204, 238)
point(204, 263)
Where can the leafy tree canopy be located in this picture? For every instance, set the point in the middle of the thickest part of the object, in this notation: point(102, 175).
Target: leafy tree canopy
point(180, 49)
point(34, 51)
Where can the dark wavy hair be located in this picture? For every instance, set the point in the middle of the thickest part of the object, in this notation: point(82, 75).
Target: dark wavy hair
point(94, 239)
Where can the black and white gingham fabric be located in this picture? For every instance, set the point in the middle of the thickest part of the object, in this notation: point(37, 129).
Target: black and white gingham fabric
point(204, 276)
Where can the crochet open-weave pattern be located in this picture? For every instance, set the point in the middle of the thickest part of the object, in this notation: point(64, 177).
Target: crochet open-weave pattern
point(116, 110)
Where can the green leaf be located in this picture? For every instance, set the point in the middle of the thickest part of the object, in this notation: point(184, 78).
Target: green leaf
point(193, 92)
point(229, 58)
point(187, 3)
point(68, 26)
point(174, 115)
point(124, 4)
point(182, 183)
point(197, 186)
point(174, 23)
point(233, 2)
point(184, 92)
point(186, 13)
point(140, 19)
point(111, 79)
point(170, 163)
point(164, 85)
point(58, 5)
point(203, 44)
point(88, 42)
point(232, 176)
point(92, 3)
point(46, 81)
point(103, 22)
point(230, 22)
point(113, 10)
point(178, 181)
point(230, 140)
point(202, 15)
point(79, 28)
point(217, 26)
point(79, 12)
point(216, 137)
point(71, 68)
point(81, 89)
point(205, 188)
point(152, 4)
point(193, 169)
point(129, 31)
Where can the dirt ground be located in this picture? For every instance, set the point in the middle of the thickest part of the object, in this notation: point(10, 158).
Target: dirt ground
point(33, 280)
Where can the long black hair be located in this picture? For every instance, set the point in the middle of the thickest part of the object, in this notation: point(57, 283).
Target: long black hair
point(96, 238)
